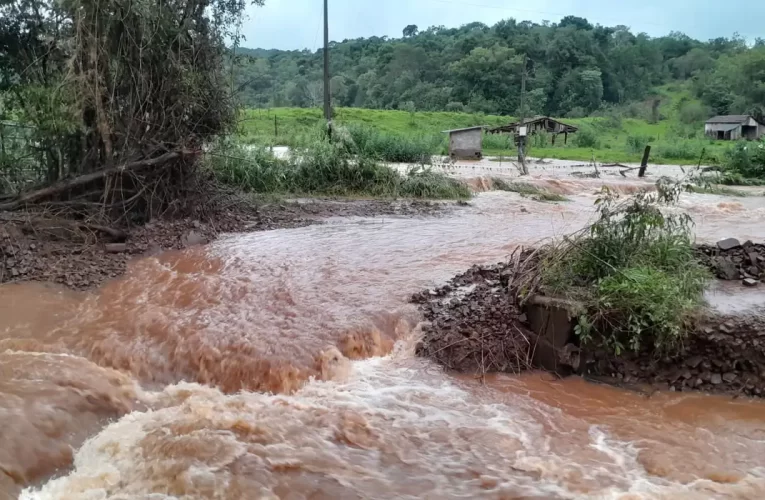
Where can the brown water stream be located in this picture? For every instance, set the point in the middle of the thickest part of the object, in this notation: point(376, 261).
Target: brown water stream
point(308, 338)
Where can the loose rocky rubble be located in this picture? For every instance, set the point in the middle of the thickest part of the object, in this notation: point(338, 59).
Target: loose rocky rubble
point(726, 354)
point(81, 260)
point(731, 260)
point(473, 325)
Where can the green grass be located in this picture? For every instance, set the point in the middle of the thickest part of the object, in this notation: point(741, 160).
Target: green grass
point(626, 145)
point(322, 168)
point(617, 140)
point(391, 147)
point(634, 270)
point(257, 125)
point(718, 190)
point(527, 190)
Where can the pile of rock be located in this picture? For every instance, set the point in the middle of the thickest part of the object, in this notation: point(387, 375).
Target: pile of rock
point(474, 325)
point(726, 354)
point(731, 260)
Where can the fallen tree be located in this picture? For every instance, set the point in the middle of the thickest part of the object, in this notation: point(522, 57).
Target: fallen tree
point(69, 184)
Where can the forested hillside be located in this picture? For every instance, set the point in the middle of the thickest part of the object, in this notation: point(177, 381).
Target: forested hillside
point(574, 69)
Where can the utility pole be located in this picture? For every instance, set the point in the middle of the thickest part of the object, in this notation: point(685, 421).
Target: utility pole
point(522, 131)
point(327, 104)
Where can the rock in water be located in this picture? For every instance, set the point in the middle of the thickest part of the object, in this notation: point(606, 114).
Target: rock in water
point(754, 258)
point(193, 238)
point(726, 269)
point(750, 282)
point(728, 244)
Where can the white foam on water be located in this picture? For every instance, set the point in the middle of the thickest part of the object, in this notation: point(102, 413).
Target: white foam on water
point(398, 427)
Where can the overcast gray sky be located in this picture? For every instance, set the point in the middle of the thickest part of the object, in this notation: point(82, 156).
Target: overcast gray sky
point(296, 24)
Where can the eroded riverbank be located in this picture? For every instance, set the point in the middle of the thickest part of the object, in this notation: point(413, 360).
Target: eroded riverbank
point(78, 258)
point(269, 310)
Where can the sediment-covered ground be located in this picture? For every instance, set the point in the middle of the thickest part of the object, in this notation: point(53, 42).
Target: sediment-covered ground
point(56, 252)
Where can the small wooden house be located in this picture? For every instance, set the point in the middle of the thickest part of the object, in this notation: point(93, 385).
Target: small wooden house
point(536, 125)
point(466, 143)
point(734, 127)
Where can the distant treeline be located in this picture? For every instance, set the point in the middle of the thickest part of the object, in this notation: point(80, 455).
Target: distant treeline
point(574, 68)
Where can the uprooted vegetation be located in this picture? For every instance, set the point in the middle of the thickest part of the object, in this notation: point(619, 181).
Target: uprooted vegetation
point(127, 115)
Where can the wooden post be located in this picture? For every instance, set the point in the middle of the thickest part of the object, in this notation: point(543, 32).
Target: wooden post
point(327, 105)
point(522, 123)
point(644, 163)
point(276, 127)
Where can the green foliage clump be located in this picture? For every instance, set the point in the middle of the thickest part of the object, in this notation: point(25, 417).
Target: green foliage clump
point(747, 160)
point(649, 299)
point(395, 148)
point(637, 143)
point(693, 112)
point(250, 168)
point(498, 142)
point(320, 167)
point(587, 137)
point(421, 182)
point(635, 271)
point(680, 149)
point(540, 140)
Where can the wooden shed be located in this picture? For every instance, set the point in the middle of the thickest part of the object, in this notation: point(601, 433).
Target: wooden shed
point(466, 143)
point(734, 127)
point(535, 125)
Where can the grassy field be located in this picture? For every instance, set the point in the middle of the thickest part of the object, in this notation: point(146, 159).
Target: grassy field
point(281, 126)
point(605, 139)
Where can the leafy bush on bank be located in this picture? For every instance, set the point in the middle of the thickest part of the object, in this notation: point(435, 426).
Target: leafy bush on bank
point(635, 271)
point(320, 167)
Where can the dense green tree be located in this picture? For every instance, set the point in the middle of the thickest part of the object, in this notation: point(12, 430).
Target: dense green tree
point(411, 30)
point(572, 66)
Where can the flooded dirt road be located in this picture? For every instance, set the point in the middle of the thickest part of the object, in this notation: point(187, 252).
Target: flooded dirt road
point(280, 365)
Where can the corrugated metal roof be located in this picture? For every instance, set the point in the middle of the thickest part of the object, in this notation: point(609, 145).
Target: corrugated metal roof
point(531, 121)
point(463, 129)
point(727, 127)
point(737, 119)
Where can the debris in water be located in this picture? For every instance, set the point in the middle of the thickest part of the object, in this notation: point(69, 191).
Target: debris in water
point(728, 244)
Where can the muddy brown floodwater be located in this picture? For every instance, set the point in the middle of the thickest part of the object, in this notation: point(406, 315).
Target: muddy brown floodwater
point(280, 365)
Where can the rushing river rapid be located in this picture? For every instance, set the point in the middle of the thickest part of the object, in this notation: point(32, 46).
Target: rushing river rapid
point(280, 365)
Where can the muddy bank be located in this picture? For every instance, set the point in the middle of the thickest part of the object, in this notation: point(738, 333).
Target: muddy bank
point(474, 326)
point(81, 258)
